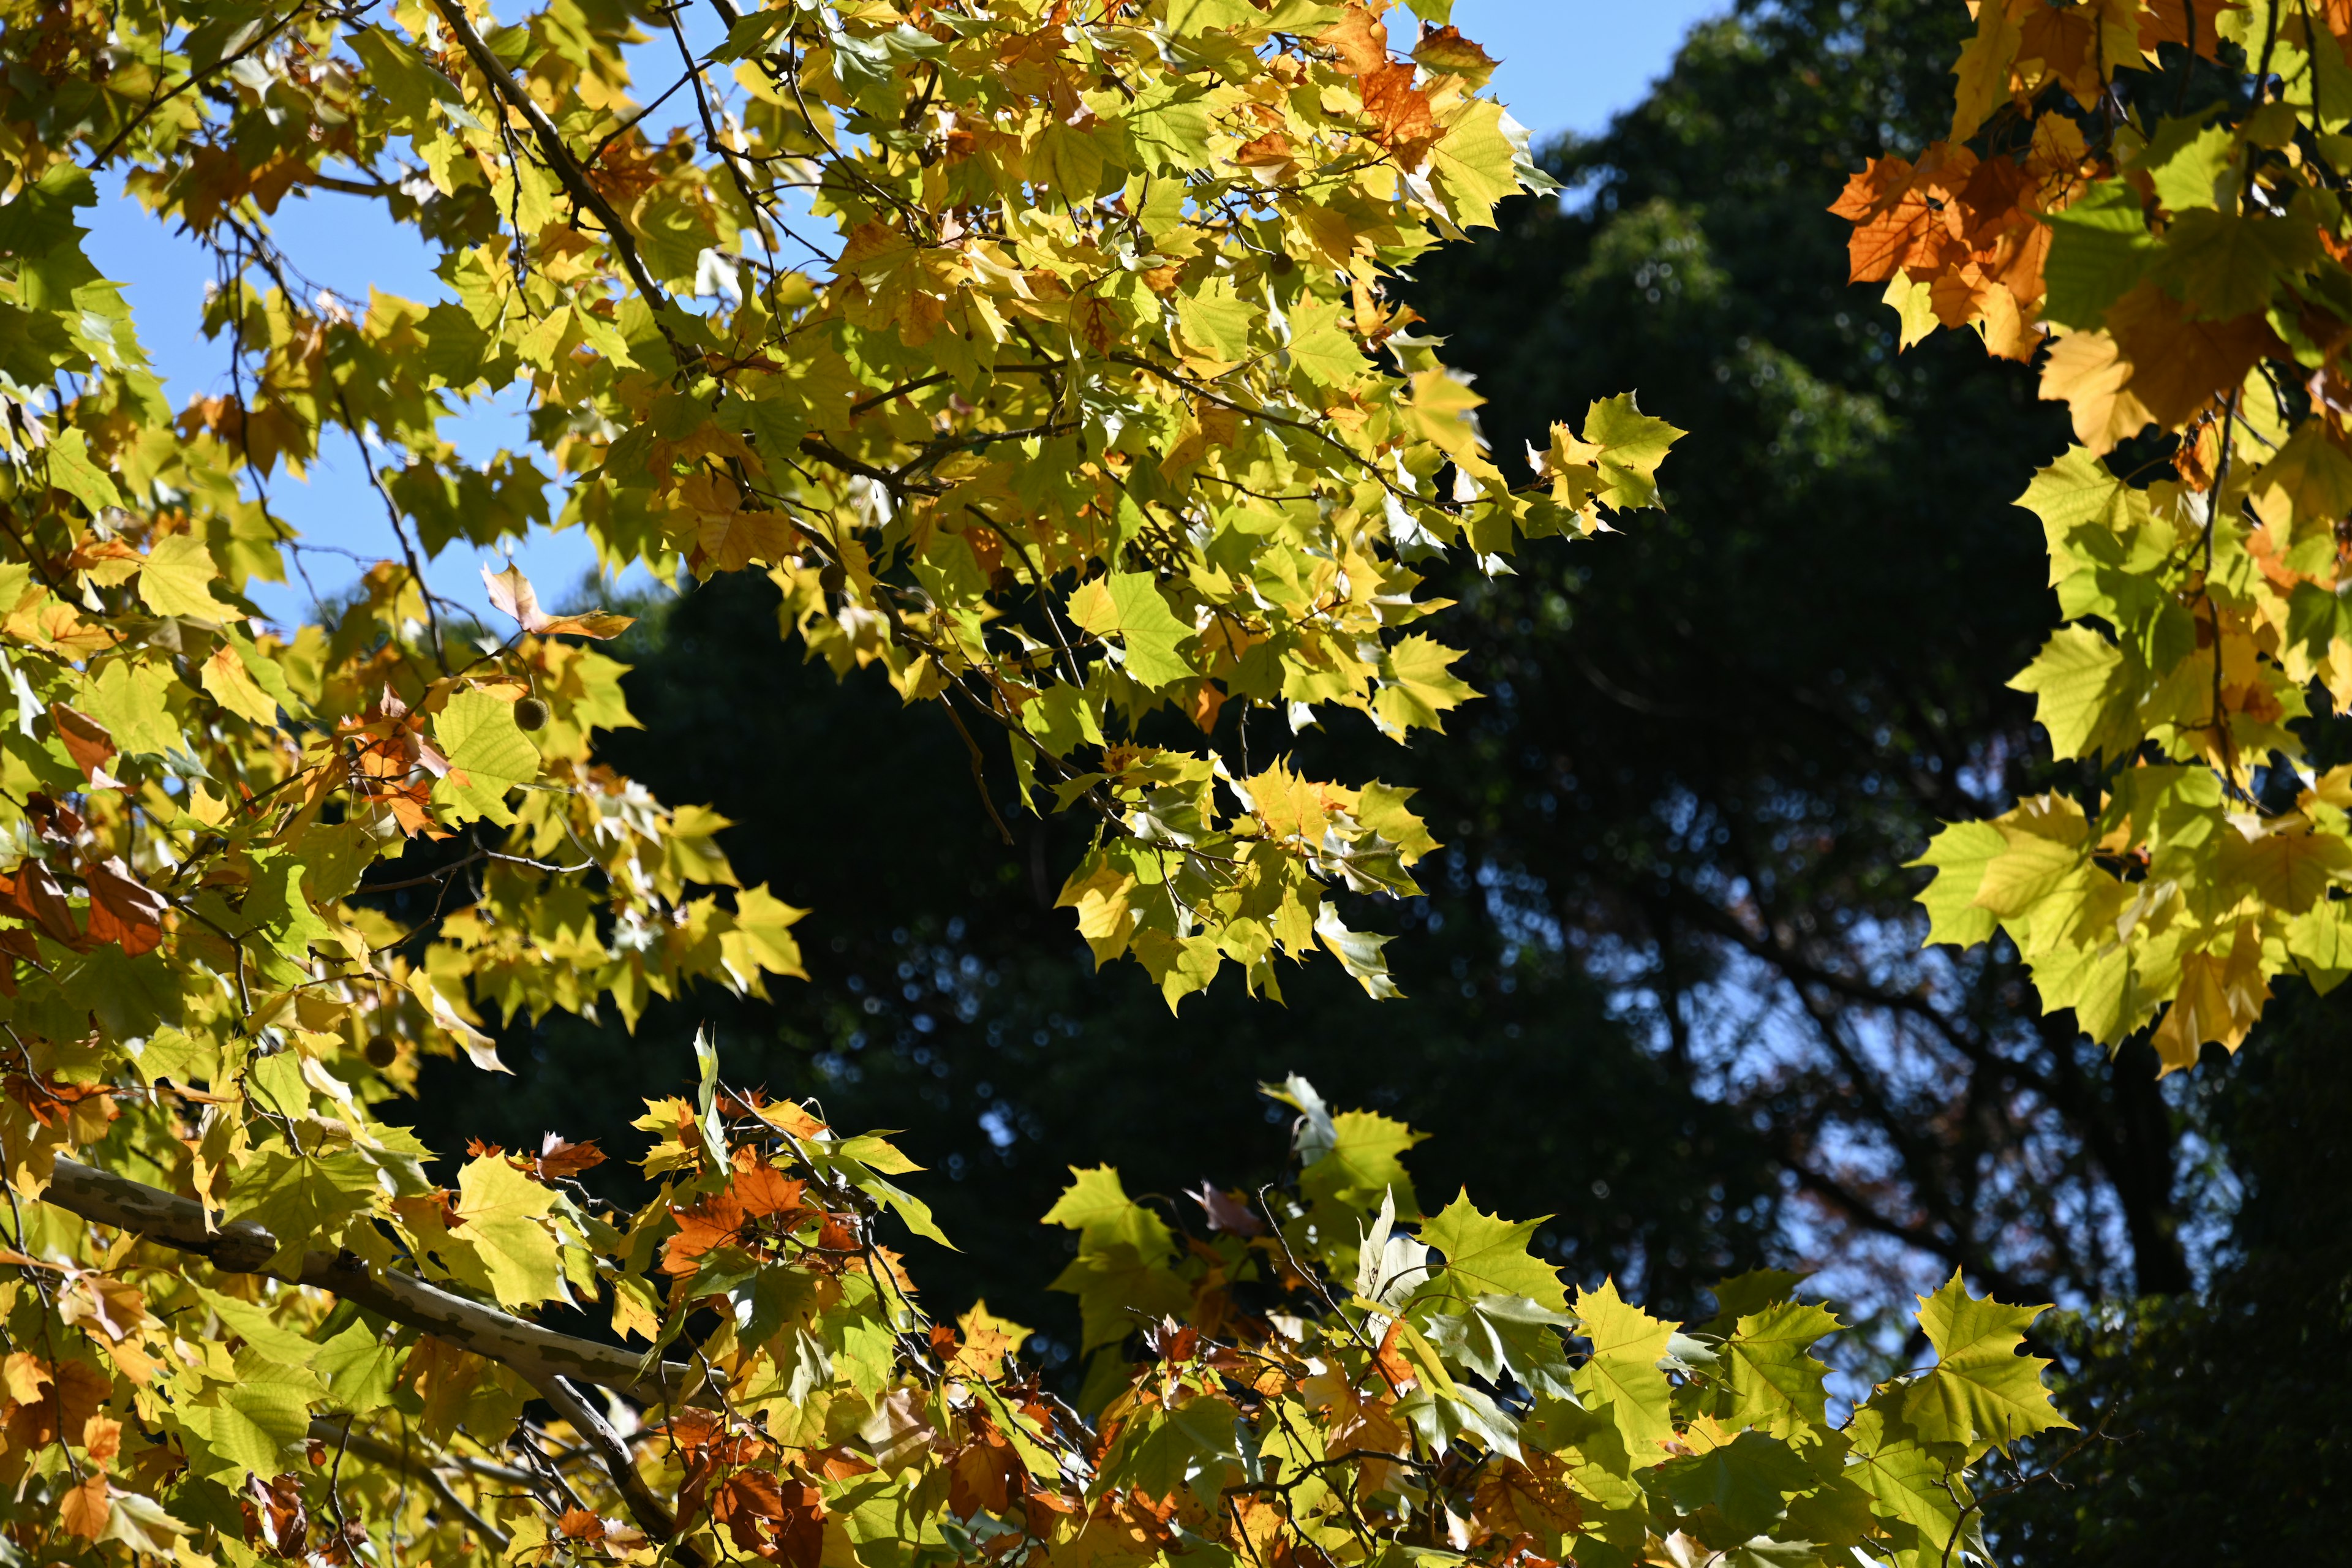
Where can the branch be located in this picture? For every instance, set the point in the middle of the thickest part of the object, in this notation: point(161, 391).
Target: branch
point(340, 1431)
point(612, 1452)
point(240, 1246)
point(377, 1451)
point(559, 156)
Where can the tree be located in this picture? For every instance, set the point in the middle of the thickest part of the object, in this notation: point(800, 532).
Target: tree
point(1071, 427)
point(2211, 1395)
point(948, 998)
point(1831, 501)
point(1716, 738)
point(2151, 190)
point(1320, 1378)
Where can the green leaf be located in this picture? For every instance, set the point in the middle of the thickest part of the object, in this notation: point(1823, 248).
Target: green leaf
point(2320, 940)
point(912, 1211)
point(1622, 1372)
point(2224, 264)
point(1746, 1483)
point(1982, 1391)
point(130, 697)
point(1485, 1255)
point(257, 1329)
point(1753, 1291)
point(1417, 685)
point(40, 218)
point(1632, 445)
point(176, 580)
point(1476, 163)
point(2187, 159)
point(358, 1366)
point(1121, 1289)
point(1919, 1494)
point(1169, 122)
point(2099, 245)
point(1217, 320)
point(252, 1423)
point(1097, 1206)
point(71, 470)
point(302, 1199)
point(1776, 1385)
point(1128, 606)
point(1958, 856)
point(503, 1213)
point(1192, 1445)
point(489, 755)
point(1321, 347)
point(1362, 1161)
point(2087, 692)
point(1498, 1335)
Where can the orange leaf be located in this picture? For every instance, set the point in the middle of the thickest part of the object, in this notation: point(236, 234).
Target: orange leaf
point(123, 908)
point(87, 740)
point(84, 1510)
point(715, 1221)
point(1362, 40)
point(33, 893)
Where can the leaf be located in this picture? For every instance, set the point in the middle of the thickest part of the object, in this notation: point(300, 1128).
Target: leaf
point(141, 1524)
point(1322, 348)
point(228, 683)
point(84, 1510)
point(1216, 319)
point(1960, 855)
point(985, 1340)
point(443, 1016)
point(1485, 1255)
point(2187, 162)
point(489, 755)
point(1632, 446)
point(1746, 1483)
point(1476, 161)
point(2099, 247)
point(1441, 413)
point(85, 741)
point(2086, 691)
point(501, 1211)
point(1499, 1336)
point(359, 1368)
point(248, 1425)
point(1361, 1159)
point(1622, 1371)
point(1097, 1206)
point(1417, 684)
point(1358, 953)
point(176, 578)
point(1128, 604)
point(1907, 1485)
point(2222, 265)
point(128, 697)
point(1777, 1385)
point(1983, 70)
point(71, 469)
point(301, 1199)
point(1982, 1391)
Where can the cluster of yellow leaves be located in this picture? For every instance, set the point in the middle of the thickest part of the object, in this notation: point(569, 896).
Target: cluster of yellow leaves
point(1308, 1378)
point(2176, 257)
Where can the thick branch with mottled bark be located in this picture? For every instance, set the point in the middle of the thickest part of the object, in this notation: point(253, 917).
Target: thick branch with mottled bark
point(239, 1247)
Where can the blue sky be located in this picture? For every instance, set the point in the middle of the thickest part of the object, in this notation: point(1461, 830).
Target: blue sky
point(1566, 65)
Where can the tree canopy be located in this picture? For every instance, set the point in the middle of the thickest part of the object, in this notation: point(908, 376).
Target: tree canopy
point(2156, 193)
point(1056, 366)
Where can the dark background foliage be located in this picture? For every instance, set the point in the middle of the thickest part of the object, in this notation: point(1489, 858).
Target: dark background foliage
point(1665, 986)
